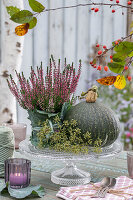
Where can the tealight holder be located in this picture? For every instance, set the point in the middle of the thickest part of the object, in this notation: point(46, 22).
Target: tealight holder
point(18, 172)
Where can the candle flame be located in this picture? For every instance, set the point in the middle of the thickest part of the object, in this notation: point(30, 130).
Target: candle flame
point(17, 174)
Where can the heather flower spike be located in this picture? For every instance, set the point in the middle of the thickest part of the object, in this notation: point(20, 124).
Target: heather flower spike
point(47, 93)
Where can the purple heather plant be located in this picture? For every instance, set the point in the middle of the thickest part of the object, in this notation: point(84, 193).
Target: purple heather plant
point(49, 93)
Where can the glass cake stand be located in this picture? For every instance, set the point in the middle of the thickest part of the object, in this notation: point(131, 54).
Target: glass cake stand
point(70, 174)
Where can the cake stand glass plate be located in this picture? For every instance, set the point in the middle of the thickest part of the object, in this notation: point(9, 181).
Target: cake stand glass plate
point(70, 174)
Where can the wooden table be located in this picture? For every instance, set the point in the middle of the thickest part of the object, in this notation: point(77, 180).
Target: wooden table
point(109, 167)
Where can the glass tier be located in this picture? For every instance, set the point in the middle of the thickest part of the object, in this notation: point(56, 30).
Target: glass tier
point(28, 149)
point(70, 175)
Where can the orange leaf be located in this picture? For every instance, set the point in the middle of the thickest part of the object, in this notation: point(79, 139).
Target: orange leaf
point(109, 80)
point(22, 29)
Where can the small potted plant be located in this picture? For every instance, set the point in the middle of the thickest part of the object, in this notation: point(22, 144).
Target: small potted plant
point(45, 97)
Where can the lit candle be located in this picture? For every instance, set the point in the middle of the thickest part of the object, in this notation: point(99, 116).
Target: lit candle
point(18, 172)
point(17, 179)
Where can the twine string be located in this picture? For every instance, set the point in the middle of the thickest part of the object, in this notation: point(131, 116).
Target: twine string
point(6, 148)
point(117, 192)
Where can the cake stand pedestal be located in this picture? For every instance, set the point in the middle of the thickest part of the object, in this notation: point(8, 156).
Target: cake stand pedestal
point(70, 175)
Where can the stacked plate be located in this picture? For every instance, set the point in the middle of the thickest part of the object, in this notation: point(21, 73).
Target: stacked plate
point(6, 146)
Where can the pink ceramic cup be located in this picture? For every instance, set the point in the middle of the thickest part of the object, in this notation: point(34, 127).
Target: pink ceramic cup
point(130, 163)
point(19, 130)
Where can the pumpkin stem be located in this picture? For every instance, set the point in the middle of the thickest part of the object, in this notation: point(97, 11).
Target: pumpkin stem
point(92, 94)
point(91, 97)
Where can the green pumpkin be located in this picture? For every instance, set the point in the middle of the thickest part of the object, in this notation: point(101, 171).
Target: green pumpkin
point(96, 118)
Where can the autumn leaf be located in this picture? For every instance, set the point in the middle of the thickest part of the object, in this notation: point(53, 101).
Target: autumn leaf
point(120, 82)
point(22, 29)
point(109, 80)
